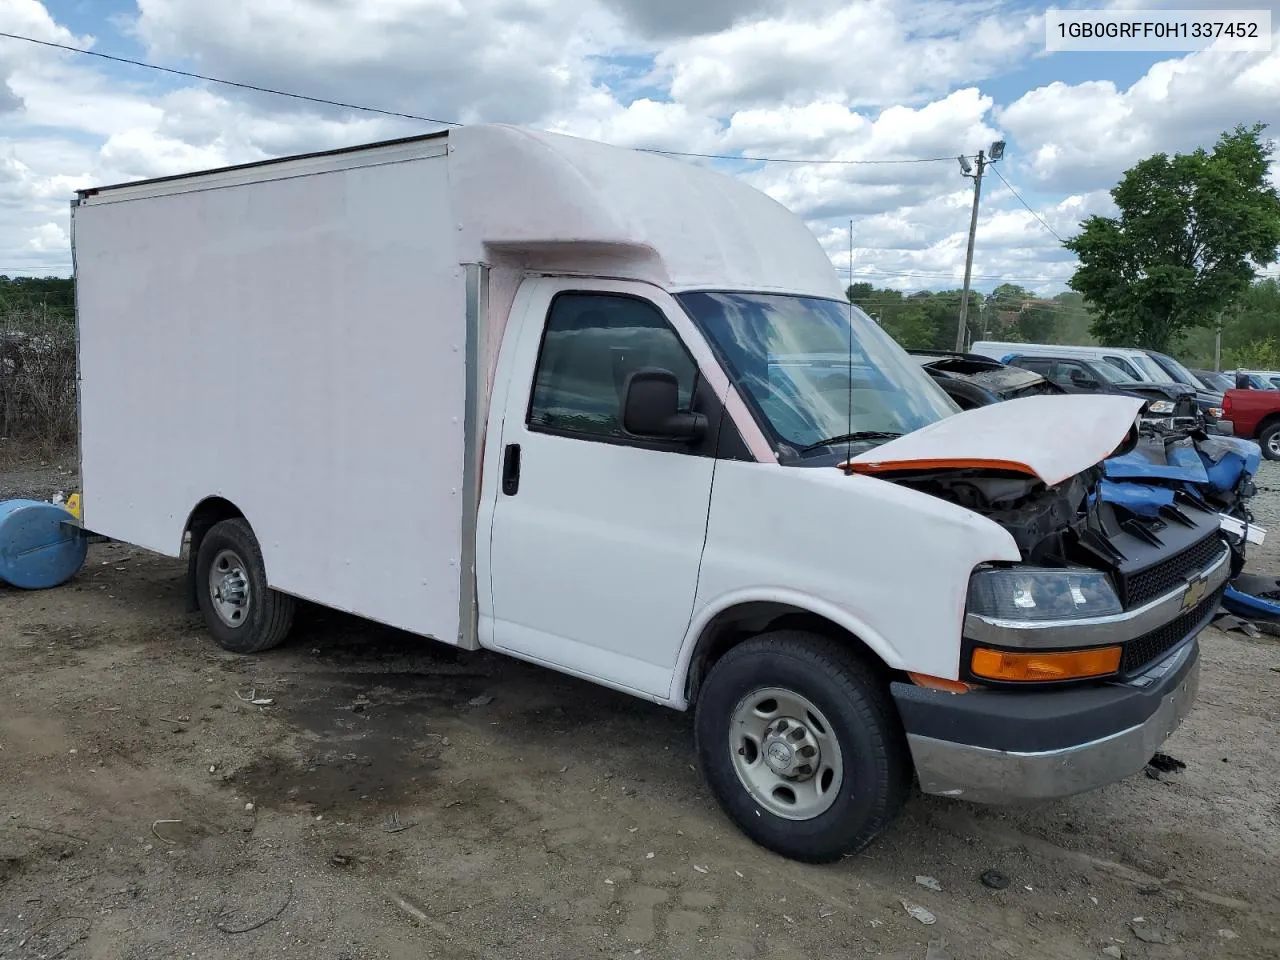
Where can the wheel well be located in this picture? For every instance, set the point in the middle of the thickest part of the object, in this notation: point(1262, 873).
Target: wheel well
point(1269, 420)
point(207, 513)
point(736, 624)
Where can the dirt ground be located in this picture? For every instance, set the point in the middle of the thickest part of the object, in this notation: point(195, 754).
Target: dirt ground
point(362, 794)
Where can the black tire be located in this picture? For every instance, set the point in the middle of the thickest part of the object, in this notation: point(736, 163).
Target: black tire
point(1269, 441)
point(856, 704)
point(267, 615)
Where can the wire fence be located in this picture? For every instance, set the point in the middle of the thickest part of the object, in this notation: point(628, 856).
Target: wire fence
point(37, 377)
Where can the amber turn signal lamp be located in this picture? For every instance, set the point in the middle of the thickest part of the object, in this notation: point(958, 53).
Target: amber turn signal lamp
point(939, 683)
point(1044, 667)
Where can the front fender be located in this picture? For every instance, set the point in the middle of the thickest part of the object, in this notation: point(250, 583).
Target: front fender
point(840, 616)
point(888, 563)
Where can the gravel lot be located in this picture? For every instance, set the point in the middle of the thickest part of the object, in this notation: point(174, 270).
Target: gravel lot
point(381, 805)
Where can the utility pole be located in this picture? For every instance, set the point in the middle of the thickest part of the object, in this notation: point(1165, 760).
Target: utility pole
point(997, 151)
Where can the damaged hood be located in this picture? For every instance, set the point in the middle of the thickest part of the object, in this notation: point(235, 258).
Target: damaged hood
point(1049, 437)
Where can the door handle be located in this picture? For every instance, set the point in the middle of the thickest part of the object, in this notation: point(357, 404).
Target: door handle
point(511, 469)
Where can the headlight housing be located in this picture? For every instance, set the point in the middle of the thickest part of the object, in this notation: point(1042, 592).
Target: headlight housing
point(1163, 407)
point(1042, 593)
point(1214, 413)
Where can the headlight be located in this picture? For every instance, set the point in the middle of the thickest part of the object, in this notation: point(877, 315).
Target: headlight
point(1214, 413)
point(1161, 406)
point(1037, 593)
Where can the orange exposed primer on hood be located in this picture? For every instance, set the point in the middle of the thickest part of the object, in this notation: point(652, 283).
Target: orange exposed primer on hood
point(945, 463)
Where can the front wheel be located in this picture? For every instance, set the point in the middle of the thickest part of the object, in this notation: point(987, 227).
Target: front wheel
point(801, 745)
point(242, 612)
point(1269, 441)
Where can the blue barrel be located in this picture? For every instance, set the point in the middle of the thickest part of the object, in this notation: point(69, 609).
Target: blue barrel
point(41, 545)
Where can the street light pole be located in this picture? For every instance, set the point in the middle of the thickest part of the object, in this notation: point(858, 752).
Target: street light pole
point(997, 151)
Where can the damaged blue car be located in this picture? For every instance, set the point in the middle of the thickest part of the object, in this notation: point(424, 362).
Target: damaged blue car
point(1166, 464)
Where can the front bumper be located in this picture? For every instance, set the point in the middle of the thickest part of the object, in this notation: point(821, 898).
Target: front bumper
point(995, 747)
point(1167, 424)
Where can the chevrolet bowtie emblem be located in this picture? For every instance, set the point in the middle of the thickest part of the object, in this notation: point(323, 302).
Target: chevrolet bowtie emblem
point(1196, 589)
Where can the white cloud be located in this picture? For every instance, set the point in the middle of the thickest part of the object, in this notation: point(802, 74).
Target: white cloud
point(795, 79)
point(642, 123)
point(864, 189)
point(1084, 135)
point(27, 18)
point(873, 53)
point(503, 60)
point(48, 237)
point(681, 18)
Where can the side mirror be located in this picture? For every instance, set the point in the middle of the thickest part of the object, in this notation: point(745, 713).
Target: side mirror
point(652, 408)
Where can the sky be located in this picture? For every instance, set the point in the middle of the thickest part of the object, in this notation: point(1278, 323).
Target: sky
point(847, 80)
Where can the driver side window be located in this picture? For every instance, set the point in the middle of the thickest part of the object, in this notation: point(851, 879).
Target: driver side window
point(1124, 367)
point(591, 343)
point(1076, 375)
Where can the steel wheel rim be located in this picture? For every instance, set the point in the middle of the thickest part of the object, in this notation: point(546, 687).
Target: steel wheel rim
point(229, 591)
point(1273, 444)
point(785, 753)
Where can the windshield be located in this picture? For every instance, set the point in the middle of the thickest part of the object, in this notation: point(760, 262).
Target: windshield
point(1217, 382)
point(1110, 373)
point(1150, 369)
point(1182, 374)
point(810, 374)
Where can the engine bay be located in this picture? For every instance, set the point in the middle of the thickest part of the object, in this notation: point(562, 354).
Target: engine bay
point(1040, 519)
point(1071, 524)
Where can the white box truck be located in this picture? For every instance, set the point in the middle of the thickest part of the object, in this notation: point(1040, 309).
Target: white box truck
point(611, 413)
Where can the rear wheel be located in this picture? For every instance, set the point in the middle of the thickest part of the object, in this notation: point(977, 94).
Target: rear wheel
point(242, 612)
point(799, 741)
point(1269, 440)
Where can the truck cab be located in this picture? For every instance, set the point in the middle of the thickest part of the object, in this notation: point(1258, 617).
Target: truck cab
point(612, 414)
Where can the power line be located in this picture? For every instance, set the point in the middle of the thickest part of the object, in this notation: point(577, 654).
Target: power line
point(451, 123)
point(229, 83)
point(802, 160)
point(926, 275)
point(1025, 204)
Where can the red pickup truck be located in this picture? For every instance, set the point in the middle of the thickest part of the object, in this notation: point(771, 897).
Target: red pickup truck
point(1255, 415)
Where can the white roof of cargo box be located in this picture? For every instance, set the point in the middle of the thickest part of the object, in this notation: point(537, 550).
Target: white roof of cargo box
point(694, 226)
point(560, 202)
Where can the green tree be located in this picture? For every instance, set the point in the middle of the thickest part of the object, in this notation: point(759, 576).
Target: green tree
point(1073, 320)
point(1192, 230)
point(51, 298)
point(903, 318)
point(942, 309)
point(912, 328)
point(1037, 322)
point(1254, 316)
point(1008, 296)
point(1256, 355)
point(1000, 310)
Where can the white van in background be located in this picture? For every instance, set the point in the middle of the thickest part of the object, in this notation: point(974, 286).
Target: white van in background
point(1134, 363)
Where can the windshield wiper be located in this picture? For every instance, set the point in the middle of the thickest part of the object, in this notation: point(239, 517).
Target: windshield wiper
point(852, 438)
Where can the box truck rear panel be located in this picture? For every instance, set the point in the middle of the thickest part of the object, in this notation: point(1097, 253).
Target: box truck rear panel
point(291, 338)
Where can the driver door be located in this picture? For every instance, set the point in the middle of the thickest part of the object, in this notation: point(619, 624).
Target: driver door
point(596, 537)
point(1078, 378)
